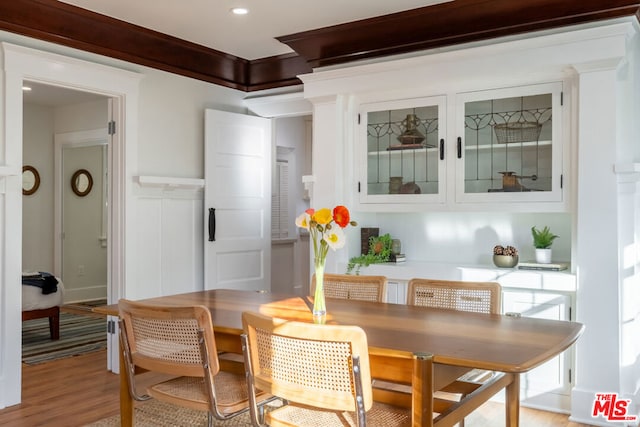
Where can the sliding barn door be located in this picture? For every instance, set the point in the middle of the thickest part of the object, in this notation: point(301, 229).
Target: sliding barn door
point(237, 197)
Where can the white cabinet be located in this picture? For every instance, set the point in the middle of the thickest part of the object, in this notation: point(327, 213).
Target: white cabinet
point(549, 385)
point(532, 293)
point(397, 291)
point(499, 147)
point(402, 151)
point(509, 145)
point(544, 295)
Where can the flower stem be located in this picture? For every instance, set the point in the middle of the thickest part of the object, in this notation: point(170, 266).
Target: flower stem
point(319, 306)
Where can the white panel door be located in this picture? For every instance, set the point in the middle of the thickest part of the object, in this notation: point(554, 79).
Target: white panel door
point(237, 250)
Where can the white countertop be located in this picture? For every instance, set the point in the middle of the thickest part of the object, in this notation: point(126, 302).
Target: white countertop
point(563, 281)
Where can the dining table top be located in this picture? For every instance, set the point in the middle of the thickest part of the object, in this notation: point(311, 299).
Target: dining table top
point(486, 341)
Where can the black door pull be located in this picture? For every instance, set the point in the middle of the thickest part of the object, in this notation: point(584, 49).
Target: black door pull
point(212, 225)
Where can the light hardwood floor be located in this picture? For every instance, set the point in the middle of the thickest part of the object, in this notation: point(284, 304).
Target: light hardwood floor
point(79, 390)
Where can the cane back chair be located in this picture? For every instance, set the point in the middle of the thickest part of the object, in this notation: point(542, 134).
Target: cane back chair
point(322, 372)
point(179, 342)
point(347, 286)
point(476, 297)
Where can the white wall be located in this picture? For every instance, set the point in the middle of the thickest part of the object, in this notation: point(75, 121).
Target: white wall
point(169, 236)
point(171, 128)
point(38, 217)
point(628, 211)
point(84, 260)
point(81, 116)
point(465, 237)
point(608, 299)
point(629, 231)
point(84, 256)
point(290, 259)
point(40, 123)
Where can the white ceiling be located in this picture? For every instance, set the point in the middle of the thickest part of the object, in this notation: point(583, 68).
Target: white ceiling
point(252, 36)
point(210, 23)
point(55, 96)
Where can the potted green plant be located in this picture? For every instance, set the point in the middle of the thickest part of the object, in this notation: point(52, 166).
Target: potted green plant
point(380, 248)
point(542, 241)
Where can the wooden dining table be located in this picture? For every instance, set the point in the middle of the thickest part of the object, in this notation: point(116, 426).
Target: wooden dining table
point(458, 341)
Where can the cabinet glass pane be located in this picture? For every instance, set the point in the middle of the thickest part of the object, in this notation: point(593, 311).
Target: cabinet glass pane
point(508, 144)
point(402, 151)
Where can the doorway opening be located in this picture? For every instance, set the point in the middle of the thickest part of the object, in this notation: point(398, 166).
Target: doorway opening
point(82, 214)
point(25, 64)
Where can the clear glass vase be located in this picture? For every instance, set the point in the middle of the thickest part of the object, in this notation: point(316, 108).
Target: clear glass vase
point(319, 306)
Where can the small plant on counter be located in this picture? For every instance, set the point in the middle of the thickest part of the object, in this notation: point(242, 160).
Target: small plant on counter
point(542, 239)
point(379, 252)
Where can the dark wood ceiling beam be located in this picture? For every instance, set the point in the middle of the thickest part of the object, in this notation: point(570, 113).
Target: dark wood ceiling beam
point(276, 71)
point(446, 24)
point(78, 28)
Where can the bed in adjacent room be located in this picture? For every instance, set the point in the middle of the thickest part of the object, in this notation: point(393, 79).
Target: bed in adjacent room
point(42, 296)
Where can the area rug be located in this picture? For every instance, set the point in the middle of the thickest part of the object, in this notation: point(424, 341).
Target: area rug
point(78, 335)
point(158, 414)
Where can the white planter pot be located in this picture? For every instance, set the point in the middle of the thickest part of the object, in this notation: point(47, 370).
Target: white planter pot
point(543, 256)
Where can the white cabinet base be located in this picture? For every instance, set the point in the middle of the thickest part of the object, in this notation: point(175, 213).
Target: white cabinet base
point(540, 294)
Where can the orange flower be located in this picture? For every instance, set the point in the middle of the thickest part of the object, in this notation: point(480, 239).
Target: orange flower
point(341, 216)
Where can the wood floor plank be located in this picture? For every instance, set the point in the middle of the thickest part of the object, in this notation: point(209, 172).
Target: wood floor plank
point(51, 396)
point(79, 390)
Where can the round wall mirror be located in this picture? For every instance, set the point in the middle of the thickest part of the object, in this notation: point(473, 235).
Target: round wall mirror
point(30, 180)
point(81, 182)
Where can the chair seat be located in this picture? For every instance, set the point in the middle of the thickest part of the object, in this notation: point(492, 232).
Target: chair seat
point(230, 389)
point(380, 415)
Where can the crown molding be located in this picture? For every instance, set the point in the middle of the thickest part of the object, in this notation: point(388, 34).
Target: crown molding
point(446, 24)
point(437, 26)
point(78, 28)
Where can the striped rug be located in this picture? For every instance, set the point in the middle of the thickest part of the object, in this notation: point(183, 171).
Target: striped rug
point(78, 335)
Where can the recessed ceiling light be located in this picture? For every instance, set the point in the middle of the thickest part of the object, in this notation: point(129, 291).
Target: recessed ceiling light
point(239, 10)
point(26, 88)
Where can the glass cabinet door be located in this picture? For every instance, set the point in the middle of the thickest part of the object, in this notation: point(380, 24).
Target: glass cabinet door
point(403, 146)
point(509, 148)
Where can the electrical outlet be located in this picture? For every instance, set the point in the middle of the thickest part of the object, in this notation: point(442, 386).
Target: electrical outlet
point(81, 270)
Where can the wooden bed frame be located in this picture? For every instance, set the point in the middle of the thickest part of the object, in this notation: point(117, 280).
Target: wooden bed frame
point(53, 313)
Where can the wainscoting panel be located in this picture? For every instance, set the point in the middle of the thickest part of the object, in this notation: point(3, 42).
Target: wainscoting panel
point(182, 245)
point(170, 234)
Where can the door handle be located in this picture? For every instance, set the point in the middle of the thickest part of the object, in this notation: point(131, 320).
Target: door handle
point(459, 147)
point(212, 225)
point(442, 149)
